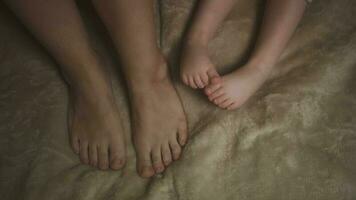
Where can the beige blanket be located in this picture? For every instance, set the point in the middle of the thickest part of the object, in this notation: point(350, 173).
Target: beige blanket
point(295, 139)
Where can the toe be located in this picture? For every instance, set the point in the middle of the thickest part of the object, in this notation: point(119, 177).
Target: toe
point(185, 79)
point(215, 85)
point(93, 155)
point(216, 94)
point(204, 78)
point(212, 73)
point(144, 164)
point(220, 99)
point(75, 144)
point(156, 156)
point(232, 106)
point(198, 81)
point(166, 154)
point(117, 157)
point(175, 149)
point(225, 103)
point(103, 157)
point(191, 82)
point(183, 133)
point(83, 152)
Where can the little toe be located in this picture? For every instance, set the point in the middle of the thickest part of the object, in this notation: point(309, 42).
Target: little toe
point(75, 144)
point(225, 103)
point(93, 155)
point(216, 94)
point(185, 79)
point(192, 83)
point(83, 152)
point(103, 157)
point(144, 165)
point(232, 106)
point(198, 81)
point(204, 78)
point(175, 149)
point(182, 133)
point(166, 154)
point(157, 160)
point(117, 157)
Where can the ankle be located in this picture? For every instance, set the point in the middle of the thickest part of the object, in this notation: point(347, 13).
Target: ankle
point(90, 84)
point(155, 72)
point(197, 39)
point(261, 65)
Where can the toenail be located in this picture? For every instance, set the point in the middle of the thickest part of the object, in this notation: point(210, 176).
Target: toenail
point(159, 169)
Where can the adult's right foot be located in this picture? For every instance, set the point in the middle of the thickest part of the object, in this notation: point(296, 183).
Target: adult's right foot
point(159, 122)
point(94, 124)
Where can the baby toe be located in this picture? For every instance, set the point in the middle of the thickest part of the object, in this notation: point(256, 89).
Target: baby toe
point(220, 99)
point(198, 81)
point(216, 94)
point(225, 103)
point(204, 78)
point(191, 82)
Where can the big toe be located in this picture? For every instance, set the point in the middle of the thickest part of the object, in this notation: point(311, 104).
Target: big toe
point(144, 165)
point(117, 157)
point(215, 83)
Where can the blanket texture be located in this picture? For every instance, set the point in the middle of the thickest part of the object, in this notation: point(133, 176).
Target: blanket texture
point(294, 139)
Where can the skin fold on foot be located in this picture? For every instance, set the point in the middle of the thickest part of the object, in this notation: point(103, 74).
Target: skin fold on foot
point(159, 123)
point(95, 128)
point(234, 89)
point(196, 67)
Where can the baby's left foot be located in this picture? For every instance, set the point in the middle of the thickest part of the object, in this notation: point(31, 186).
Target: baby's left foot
point(196, 68)
point(234, 89)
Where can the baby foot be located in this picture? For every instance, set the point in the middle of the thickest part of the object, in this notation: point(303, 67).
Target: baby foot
point(234, 89)
point(159, 124)
point(196, 66)
point(95, 128)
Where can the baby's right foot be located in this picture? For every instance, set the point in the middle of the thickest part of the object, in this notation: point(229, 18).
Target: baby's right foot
point(94, 125)
point(196, 66)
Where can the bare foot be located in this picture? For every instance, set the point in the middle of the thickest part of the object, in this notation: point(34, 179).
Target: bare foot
point(196, 66)
point(159, 123)
point(95, 127)
point(234, 89)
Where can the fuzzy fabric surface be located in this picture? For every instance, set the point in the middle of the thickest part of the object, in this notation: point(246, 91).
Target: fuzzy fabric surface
point(294, 139)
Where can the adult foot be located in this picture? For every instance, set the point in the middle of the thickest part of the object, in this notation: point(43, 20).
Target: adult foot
point(196, 66)
point(234, 89)
point(95, 127)
point(159, 123)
